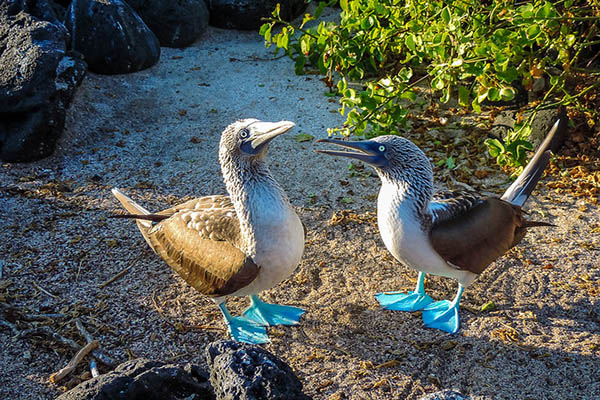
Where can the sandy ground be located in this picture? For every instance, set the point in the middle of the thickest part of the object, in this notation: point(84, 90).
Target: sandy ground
point(155, 135)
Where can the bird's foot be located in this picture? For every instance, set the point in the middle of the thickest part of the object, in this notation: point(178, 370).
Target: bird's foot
point(245, 330)
point(273, 314)
point(411, 301)
point(442, 315)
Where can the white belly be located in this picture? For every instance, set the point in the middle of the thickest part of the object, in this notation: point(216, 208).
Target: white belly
point(278, 251)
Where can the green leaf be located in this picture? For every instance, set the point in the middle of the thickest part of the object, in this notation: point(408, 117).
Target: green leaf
point(344, 5)
point(463, 95)
point(533, 31)
point(409, 94)
point(437, 83)
point(449, 163)
point(410, 42)
point(445, 15)
point(507, 93)
point(493, 94)
point(570, 40)
point(299, 65)
point(457, 62)
point(367, 23)
point(303, 137)
point(495, 147)
point(489, 306)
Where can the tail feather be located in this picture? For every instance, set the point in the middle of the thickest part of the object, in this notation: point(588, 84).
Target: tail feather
point(137, 212)
point(521, 188)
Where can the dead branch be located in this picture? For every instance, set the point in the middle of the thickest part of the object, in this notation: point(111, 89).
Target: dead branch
point(46, 331)
point(41, 289)
point(114, 278)
point(103, 358)
point(57, 376)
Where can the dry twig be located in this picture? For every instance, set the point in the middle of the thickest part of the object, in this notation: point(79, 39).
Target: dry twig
point(41, 289)
point(114, 278)
point(103, 358)
point(57, 376)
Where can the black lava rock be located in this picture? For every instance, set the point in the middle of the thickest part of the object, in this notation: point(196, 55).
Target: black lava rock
point(242, 371)
point(176, 23)
point(142, 379)
point(247, 14)
point(111, 36)
point(37, 82)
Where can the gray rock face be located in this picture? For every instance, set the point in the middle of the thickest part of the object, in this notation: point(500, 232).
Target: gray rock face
point(445, 395)
point(176, 23)
point(37, 82)
point(247, 14)
point(242, 371)
point(111, 36)
point(141, 379)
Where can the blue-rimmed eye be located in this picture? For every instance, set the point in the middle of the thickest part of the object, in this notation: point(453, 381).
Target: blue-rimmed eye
point(244, 133)
point(382, 148)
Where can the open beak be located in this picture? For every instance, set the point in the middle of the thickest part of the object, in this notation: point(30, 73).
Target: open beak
point(368, 151)
point(261, 133)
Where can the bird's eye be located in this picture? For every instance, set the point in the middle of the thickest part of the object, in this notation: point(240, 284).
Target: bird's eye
point(381, 148)
point(244, 133)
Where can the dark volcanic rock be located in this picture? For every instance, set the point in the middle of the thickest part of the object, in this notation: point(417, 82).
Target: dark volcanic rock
point(176, 23)
point(247, 14)
point(111, 36)
point(41, 9)
point(143, 379)
point(242, 371)
point(37, 82)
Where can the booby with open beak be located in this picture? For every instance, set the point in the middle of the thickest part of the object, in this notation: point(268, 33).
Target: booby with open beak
point(236, 245)
point(452, 234)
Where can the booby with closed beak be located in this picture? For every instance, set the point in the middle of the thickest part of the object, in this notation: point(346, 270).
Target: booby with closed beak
point(236, 245)
point(452, 234)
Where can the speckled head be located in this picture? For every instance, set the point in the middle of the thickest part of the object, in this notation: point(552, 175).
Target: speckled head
point(248, 139)
point(391, 156)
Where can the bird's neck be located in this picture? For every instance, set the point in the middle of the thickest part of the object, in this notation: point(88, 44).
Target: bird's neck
point(407, 193)
point(259, 201)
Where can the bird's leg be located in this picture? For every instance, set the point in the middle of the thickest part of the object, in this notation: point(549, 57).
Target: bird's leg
point(272, 314)
point(444, 314)
point(412, 301)
point(243, 329)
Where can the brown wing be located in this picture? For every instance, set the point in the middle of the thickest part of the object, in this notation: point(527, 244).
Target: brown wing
point(201, 241)
point(201, 203)
point(475, 237)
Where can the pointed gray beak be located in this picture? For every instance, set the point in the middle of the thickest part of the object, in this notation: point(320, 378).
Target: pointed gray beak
point(261, 133)
point(369, 151)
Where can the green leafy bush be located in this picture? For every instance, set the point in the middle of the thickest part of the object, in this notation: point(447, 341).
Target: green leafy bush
point(475, 51)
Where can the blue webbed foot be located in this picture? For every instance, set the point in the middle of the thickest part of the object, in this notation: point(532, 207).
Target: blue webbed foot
point(272, 314)
point(412, 301)
point(245, 330)
point(442, 315)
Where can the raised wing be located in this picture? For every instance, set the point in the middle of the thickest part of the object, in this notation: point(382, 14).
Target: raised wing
point(472, 237)
point(201, 241)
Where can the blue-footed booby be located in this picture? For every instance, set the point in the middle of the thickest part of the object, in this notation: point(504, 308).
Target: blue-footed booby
point(451, 234)
point(236, 245)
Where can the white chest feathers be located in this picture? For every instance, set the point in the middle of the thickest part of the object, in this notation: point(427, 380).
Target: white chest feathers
point(278, 240)
point(399, 228)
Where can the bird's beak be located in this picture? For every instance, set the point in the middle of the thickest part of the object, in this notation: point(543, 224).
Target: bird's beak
point(369, 152)
point(261, 133)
